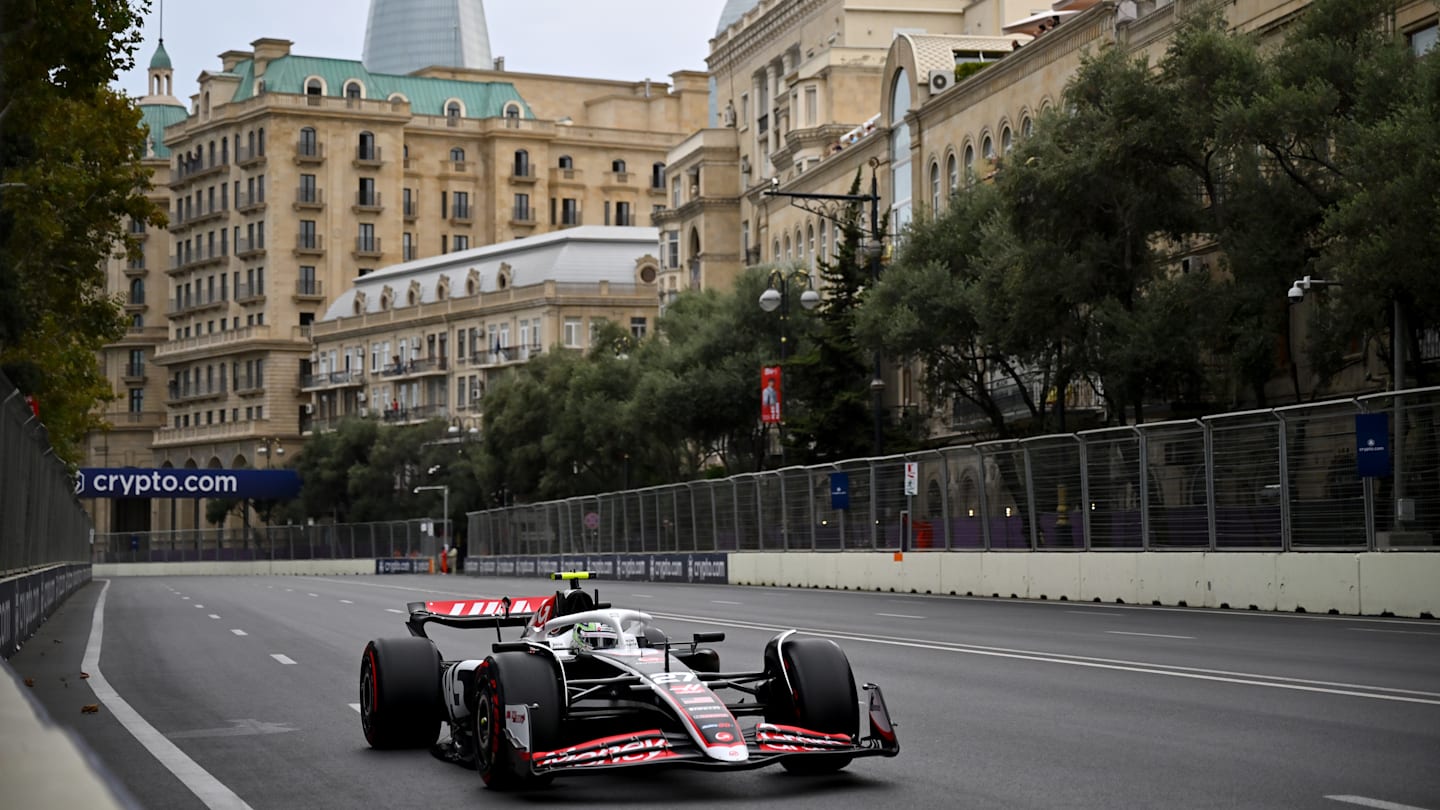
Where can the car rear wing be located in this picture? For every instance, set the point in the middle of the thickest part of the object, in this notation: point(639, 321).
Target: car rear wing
point(474, 613)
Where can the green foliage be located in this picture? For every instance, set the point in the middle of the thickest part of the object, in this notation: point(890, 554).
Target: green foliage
point(70, 176)
point(965, 70)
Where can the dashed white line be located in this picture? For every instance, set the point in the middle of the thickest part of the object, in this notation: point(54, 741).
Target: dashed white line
point(1148, 635)
point(284, 659)
point(900, 615)
point(1401, 632)
point(202, 607)
point(1094, 613)
point(214, 615)
point(355, 706)
point(642, 596)
point(238, 631)
point(724, 602)
point(394, 610)
point(1365, 801)
point(185, 598)
point(346, 602)
point(313, 594)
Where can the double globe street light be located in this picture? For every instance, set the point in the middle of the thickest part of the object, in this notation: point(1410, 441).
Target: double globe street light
point(777, 296)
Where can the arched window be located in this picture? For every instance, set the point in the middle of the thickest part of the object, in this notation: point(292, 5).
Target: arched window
point(1025, 127)
point(775, 251)
point(314, 86)
point(1006, 142)
point(522, 163)
point(787, 247)
point(453, 109)
point(799, 245)
point(137, 291)
point(824, 241)
point(987, 148)
point(512, 110)
point(657, 175)
point(367, 146)
point(934, 186)
point(617, 166)
point(567, 162)
point(457, 154)
point(353, 89)
point(952, 168)
point(969, 163)
point(900, 181)
point(810, 244)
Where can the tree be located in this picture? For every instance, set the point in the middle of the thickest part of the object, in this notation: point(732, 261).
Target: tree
point(70, 175)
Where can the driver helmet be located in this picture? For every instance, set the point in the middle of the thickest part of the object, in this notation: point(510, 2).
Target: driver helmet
point(594, 636)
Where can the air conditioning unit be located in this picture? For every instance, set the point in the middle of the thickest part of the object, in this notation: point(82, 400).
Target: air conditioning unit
point(360, 397)
point(308, 407)
point(364, 412)
point(477, 392)
point(941, 80)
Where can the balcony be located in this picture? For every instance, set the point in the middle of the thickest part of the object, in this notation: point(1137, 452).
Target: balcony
point(416, 368)
point(332, 379)
point(184, 305)
point(197, 170)
point(523, 217)
point(235, 339)
point(367, 158)
point(571, 219)
point(203, 212)
point(309, 198)
point(225, 431)
point(412, 210)
point(249, 248)
point(308, 289)
point(133, 420)
point(567, 177)
point(417, 413)
point(461, 216)
point(505, 355)
point(133, 373)
point(136, 269)
point(193, 259)
point(245, 157)
point(309, 245)
point(524, 176)
point(136, 301)
point(367, 247)
point(247, 203)
point(249, 386)
point(367, 203)
point(454, 167)
point(307, 153)
point(617, 181)
point(182, 394)
point(249, 293)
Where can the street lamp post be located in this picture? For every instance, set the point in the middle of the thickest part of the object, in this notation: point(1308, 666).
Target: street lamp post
point(269, 448)
point(444, 506)
point(834, 207)
point(777, 296)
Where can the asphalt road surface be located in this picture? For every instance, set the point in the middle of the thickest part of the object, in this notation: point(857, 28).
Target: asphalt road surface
point(248, 688)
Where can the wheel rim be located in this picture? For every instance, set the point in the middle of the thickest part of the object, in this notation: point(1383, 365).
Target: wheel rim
point(485, 729)
point(369, 689)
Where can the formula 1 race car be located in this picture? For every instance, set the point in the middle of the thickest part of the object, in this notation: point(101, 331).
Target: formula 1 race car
point(590, 687)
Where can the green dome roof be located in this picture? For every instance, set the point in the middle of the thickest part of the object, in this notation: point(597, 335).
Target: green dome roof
point(161, 58)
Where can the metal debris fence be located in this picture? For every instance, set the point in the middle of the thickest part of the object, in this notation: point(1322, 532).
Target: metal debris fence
point(41, 520)
point(1281, 479)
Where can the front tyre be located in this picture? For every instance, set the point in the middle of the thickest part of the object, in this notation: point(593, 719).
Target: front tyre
point(400, 700)
point(811, 686)
point(515, 678)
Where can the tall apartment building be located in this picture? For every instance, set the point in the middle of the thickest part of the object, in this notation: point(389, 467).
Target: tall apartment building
point(290, 177)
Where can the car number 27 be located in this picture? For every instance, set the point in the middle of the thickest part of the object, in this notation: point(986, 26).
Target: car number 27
point(672, 677)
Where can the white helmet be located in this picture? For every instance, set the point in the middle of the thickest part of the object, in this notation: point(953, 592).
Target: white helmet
point(593, 636)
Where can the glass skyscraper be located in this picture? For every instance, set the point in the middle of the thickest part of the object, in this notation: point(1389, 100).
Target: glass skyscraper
point(403, 36)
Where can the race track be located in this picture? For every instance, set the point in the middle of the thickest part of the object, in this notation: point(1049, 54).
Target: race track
point(248, 686)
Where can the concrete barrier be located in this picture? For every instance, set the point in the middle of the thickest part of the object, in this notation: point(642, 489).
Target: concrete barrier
point(1317, 582)
point(1110, 576)
point(46, 765)
point(1170, 578)
point(1405, 583)
point(961, 574)
point(1005, 574)
point(1052, 576)
point(236, 568)
point(1241, 581)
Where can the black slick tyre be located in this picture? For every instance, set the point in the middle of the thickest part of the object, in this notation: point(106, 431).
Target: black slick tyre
point(515, 678)
point(400, 700)
point(811, 686)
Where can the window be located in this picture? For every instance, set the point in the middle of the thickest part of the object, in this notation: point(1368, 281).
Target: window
point(522, 163)
point(367, 241)
point(307, 237)
point(1006, 142)
point(637, 327)
point(810, 244)
point(623, 216)
point(366, 195)
point(522, 208)
point(308, 191)
point(824, 240)
point(572, 333)
point(453, 110)
point(672, 249)
point(657, 176)
point(367, 149)
point(462, 242)
point(934, 187)
point(353, 90)
point(969, 163)
point(462, 205)
point(1423, 41)
point(512, 111)
point(952, 169)
point(987, 148)
point(457, 155)
point(900, 173)
point(1025, 127)
point(407, 246)
point(314, 87)
point(307, 284)
point(408, 197)
point(812, 106)
point(617, 166)
point(569, 211)
point(566, 162)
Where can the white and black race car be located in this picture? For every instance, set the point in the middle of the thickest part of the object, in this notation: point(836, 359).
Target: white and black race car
point(590, 687)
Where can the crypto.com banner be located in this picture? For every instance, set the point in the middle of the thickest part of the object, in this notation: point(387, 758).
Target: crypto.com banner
point(131, 482)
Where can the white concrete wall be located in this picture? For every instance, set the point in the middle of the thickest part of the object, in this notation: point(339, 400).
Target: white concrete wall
point(254, 567)
point(1401, 583)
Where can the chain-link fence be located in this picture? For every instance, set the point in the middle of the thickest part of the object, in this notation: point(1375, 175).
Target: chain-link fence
point(1271, 480)
point(398, 538)
point(41, 520)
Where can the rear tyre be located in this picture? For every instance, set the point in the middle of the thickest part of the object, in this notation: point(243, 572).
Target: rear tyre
point(512, 678)
point(811, 686)
point(400, 700)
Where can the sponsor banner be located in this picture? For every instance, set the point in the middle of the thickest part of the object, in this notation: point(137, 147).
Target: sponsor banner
point(771, 400)
point(26, 601)
point(710, 568)
point(403, 565)
point(131, 482)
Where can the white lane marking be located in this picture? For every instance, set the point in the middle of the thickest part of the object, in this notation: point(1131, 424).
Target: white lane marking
point(394, 610)
point(209, 790)
point(237, 631)
point(1093, 613)
point(185, 598)
point(355, 706)
point(1148, 635)
point(346, 602)
point(284, 659)
point(313, 594)
point(724, 602)
point(202, 607)
point(642, 596)
point(900, 615)
point(1401, 632)
point(1144, 667)
point(1365, 801)
point(289, 590)
point(214, 615)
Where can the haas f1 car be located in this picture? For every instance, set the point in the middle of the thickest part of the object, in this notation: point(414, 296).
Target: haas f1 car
point(589, 687)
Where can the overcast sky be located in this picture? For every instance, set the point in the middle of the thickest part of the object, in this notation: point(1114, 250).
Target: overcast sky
point(605, 39)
